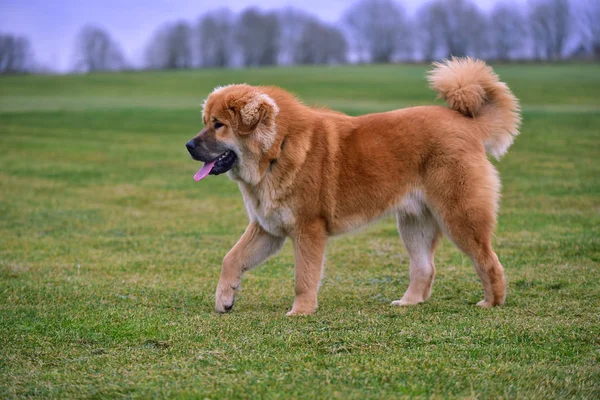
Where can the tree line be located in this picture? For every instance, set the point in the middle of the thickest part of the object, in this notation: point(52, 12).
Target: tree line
point(369, 31)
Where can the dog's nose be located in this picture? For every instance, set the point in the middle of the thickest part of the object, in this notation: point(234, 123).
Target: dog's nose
point(190, 145)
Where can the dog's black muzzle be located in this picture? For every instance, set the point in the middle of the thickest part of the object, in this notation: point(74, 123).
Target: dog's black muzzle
point(205, 147)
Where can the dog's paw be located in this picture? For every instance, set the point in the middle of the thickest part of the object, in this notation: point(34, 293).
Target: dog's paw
point(224, 307)
point(485, 304)
point(299, 312)
point(224, 298)
point(405, 302)
point(302, 309)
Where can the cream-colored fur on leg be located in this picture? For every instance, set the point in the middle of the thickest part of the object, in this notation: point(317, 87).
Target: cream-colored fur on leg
point(254, 247)
point(420, 233)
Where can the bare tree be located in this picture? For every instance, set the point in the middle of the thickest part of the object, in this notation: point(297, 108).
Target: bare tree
point(588, 20)
point(507, 27)
point(378, 28)
point(550, 28)
point(431, 17)
point(258, 38)
point(453, 28)
point(15, 54)
point(304, 39)
point(95, 50)
point(321, 44)
point(170, 47)
point(292, 23)
point(215, 39)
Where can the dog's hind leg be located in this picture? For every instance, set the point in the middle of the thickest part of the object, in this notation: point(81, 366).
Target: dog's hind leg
point(473, 238)
point(467, 215)
point(420, 234)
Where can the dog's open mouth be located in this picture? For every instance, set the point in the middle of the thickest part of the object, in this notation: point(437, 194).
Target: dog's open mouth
point(219, 165)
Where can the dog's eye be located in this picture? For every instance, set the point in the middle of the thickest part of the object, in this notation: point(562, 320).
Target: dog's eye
point(218, 125)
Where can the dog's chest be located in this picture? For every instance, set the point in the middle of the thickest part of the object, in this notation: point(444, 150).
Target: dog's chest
point(275, 217)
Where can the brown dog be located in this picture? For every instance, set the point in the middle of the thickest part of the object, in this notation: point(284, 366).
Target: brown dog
point(308, 174)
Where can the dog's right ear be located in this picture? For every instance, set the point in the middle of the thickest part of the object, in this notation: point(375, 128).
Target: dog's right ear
point(252, 111)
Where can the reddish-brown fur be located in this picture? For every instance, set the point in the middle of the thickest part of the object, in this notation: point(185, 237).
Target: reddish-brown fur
point(325, 173)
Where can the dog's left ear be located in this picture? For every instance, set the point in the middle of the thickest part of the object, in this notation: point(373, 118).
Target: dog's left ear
point(259, 109)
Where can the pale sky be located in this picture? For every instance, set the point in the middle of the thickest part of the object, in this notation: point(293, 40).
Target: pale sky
point(52, 26)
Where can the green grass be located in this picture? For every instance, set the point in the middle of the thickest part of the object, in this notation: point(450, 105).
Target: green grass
point(110, 253)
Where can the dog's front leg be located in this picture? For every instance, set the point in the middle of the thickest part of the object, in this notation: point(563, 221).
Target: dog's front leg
point(309, 248)
point(253, 248)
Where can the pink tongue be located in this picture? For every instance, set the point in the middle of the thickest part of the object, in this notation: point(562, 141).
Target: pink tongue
point(201, 174)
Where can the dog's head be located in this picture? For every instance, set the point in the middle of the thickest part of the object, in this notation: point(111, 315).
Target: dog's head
point(239, 129)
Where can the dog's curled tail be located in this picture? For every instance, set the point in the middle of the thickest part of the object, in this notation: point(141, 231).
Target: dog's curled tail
point(473, 89)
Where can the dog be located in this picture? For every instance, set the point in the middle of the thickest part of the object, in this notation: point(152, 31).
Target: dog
point(312, 173)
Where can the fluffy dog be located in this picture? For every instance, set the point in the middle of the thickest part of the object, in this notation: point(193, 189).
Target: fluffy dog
point(308, 174)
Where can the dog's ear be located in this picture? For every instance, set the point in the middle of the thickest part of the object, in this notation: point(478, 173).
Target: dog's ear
point(255, 110)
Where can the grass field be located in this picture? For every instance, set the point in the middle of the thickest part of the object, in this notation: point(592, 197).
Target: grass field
point(110, 253)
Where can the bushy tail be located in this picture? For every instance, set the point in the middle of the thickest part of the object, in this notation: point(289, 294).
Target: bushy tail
point(473, 89)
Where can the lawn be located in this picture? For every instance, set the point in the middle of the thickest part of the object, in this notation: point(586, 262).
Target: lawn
point(110, 253)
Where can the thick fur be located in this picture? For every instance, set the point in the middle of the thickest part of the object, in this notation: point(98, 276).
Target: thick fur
point(472, 88)
point(309, 174)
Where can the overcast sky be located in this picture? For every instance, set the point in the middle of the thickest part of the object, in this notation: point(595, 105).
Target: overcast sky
point(51, 25)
